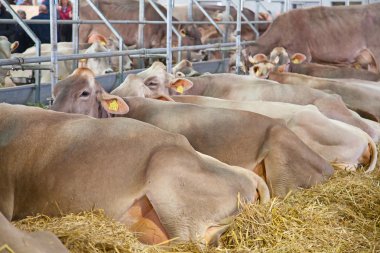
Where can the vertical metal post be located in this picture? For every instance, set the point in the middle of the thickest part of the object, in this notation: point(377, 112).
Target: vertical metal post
point(140, 42)
point(169, 14)
point(75, 32)
point(238, 35)
point(190, 11)
point(226, 17)
point(257, 15)
point(36, 41)
point(53, 44)
point(347, 2)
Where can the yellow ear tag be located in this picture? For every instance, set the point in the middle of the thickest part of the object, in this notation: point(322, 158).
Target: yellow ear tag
point(357, 66)
point(103, 43)
point(296, 61)
point(179, 89)
point(113, 106)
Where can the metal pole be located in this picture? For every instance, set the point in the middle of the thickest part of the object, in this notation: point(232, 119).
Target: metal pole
point(36, 41)
point(75, 31)
point(140, 42)
point(249, 22)
point(165, 18)
point(169, 13)
point(113, 30)
point(53, 44)
point(190, 11)
point(117, 53)
point(238, 35)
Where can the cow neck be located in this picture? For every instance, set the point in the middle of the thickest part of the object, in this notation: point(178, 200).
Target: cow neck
point(134, 104)
point(200, 85)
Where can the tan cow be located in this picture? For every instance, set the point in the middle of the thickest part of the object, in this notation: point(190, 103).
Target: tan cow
point(324, 34)
point(360, 97)
point(239, 138)
point(18, 241)
point(248, 88)
point(6, 48)
point(100, 66)
point(56, 163)
point(344, 146)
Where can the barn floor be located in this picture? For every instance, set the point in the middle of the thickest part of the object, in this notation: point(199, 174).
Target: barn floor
point(342, 215)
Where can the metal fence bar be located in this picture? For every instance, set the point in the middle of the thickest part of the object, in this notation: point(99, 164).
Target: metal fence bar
point(154, 5)
point(169, 14)
point(16, 61)
point(256, 21)
point(113, 30)
point(238, 35)
point(127, 22)
point(140, 31)
point(208, 17)
point(75, 33)
point(53, 44)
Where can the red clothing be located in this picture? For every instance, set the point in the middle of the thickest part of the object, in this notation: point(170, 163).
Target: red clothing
point(64, 12)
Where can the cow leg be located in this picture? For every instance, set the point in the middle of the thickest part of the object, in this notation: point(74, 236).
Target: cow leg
point(146, 223)
point(334, 108)
point(290, 164)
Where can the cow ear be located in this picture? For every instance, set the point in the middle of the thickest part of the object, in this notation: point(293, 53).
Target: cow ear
point(298, 58)
point(14, 46)
point(257, 58)
point(180, 85)
point(182, 32)
point(113, 104)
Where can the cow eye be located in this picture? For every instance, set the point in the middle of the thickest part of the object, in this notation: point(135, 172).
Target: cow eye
point(152, 84)
point(85, 94)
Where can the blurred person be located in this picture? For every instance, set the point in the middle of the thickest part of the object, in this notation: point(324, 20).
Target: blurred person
point(65, 11)
point(42, 31)
point(21, 36)
point(7, 30)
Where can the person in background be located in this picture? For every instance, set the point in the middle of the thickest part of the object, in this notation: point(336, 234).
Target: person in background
point(42, 31)
point(21, 36)
point(65, 10)
point(7, 30)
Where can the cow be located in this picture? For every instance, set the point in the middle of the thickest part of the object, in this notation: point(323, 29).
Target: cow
point(238, 138)
point(360, 97)
point(100, 66)
point(324, 34)
point(6, 48)
point(154, 34)
point(248, 88)
point(16, 240)
point(345, 146)
point(217, 13)
point(56, 163)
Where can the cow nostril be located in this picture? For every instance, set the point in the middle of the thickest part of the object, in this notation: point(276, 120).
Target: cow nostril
point(108, 71)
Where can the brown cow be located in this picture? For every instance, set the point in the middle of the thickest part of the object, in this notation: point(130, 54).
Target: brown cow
point(6, 48)
point(247, 88)
point(240, 138)
point(324, 34)
point(154, 34)
point(56, 163)
point(358, 96)
point(18, 241)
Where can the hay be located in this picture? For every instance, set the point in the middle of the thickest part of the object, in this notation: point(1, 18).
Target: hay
point(342, 215)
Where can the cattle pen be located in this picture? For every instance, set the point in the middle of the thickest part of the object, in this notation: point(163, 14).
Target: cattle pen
point(341, 215)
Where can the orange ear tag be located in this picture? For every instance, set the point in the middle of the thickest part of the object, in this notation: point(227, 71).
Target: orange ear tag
point(179, 89)
point(113, 106)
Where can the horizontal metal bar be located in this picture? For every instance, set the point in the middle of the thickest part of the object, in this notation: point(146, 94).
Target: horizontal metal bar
point(14, 61)
point(127, 22)
point(26, 67)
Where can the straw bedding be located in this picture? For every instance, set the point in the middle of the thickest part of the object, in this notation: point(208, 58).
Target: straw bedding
point(342, 215)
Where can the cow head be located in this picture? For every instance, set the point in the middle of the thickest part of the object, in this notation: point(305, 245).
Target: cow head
point(184, 68)
point(261, 67)
point(80, 93)
point(190, 35)
point(135, 86)
point(113, 45)
point(99, 66)
point(160, 82)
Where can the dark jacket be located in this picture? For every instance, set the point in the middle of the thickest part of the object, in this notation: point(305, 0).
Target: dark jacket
point(7, 30)
point(42, 31)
